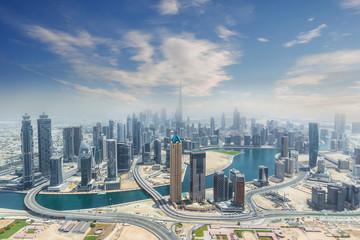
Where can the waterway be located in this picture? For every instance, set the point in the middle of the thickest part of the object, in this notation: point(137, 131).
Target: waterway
point(247, 163)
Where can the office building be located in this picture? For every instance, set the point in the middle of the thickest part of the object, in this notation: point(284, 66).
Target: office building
point(289, 166)
point(232, 176)
point(284, 146)
point(336, 197)
point(111, 129)
point(175, 169)
point(157, 151)
point(136, 135)
point(263, 174)
point(44, 144)
point(236, 120)
point(86, 162)
point(56, 175)
point(340, 122)
point(321, 166)
point(197, 176)
point(343, 165)
point(223, 121)
point(222, 187)
point(280, 170)
point(78, 137)
point(357, 155)
point(27, 152)
point(295, 155)
point(167, 158)
point(318, 197)
point(96, 133)
point(123, 156)
point(112, 169)
point(313, 144)
point(120, 132)
point(212, 126)
point(239, 197)
point(356, 171)
point(68, 144)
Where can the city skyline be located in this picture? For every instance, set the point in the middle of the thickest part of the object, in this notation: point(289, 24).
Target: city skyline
point(285, 60)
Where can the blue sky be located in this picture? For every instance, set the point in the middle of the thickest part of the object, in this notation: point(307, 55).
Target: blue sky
point(267, 58)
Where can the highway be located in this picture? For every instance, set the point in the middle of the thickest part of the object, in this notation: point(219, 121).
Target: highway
point(31, 204)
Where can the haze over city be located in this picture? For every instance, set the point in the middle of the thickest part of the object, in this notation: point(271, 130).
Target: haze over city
point(298, 59)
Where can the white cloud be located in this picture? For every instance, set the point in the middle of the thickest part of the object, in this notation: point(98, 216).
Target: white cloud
point(351, 4)
point(169, 7)
point(262, 39)
point(225, 33)
point(313, 79)
point(311, 19)
point(307, 36)
point(140, 41)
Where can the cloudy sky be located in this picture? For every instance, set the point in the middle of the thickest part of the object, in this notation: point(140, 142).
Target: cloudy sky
point(267, 58)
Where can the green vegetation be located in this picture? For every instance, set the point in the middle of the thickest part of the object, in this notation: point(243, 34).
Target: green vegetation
point(266, 238)
point(200, 231)
point(263, 230)
point(92, 225)
point(90, 238)
point(233, 153)
point(14, 227)
point(239, 232)
point(223, 237)
point(30, 231)
point(178, 225)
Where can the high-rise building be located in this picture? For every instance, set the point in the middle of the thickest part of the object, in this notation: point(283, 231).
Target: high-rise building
point(111, 129)
point(290, 166)
point(197, 176)
point(136, 135)
point(222, 187)
point(280, 170)
point(78, 137)
point(284, 146)
point(336, 196)
point(167, 158)
point(111, 149)
point(321, 166)
point(357, 155)
point(223, 121)
point(123, 156)
point(263, 174)
point(236, 120)
point(96, 133)
point(232, 176)
point(340, 122)
point(163, 115)
point(106, 131)
point(212, 126)
point(27, 150)
point(313, 144)
point(157, 151)
point(120, 132)
point(175, 169)
point(128, 127)
point(86, 161)
point(68, 144)
point(318, 197)
point(56, 176)
point(44, 144)
point(239, 183)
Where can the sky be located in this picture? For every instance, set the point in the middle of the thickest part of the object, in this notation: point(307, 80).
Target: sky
point(285, 59)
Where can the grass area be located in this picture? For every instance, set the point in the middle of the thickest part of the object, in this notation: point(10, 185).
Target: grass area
point(200, 231)
point(18, 224)
point(30, 231)
point(266, 238)
point(178, 225)
point(233, 153)
point(90, 238)
point(263, 230)
point(224, 237)
point(239, 232)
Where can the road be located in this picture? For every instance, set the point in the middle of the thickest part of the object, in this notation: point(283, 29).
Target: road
point(33, 206)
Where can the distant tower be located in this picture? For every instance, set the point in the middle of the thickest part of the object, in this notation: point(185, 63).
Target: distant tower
point(56, 177)
point(111, 129)
point(239, 184)
point(175, 169)
point(163, 115)
point(236, 120)
point(340, 122)
point(78, 137)
point(157, 151)
point(68, 144)
point(179, 116)
point(212, 126)
point(27, 150)
point(112, 167)
point(284, 146)
point(313, 144)
point(136, 135)
point(44, 144)
point(223, 121)
point(123, 156)
point(197, 176)
point(120, 132)
point(85, 159)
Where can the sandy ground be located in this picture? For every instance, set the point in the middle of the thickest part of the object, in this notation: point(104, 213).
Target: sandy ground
point(266, 203)
point(298, 195)
point(297, 234)
point(304, 158)
point(216, 161)
point(52, 231)
point(13, 213)
point(248, 236)
point(354, 233)
point(129, 233)
point(337, 176)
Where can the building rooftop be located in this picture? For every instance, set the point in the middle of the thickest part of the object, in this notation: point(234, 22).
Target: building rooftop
point(175, 139)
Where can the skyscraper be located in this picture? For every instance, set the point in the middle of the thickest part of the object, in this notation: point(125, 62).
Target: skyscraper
point(111, 129)
point(111, 149)
point(56, 176)
point(96, 142)
point(175, 169)
point(222, 187)
point(120, 132)
point(157, 151)
point(27, 150)
point(284, 146)
point(223, 121)
point(239, 183)
point(232, 176)
point(197, 176)
point(263, 175)
point(78, 137)
point(123, 156)
point(236, 120)
point(44, 144)
point(68, 144)
point(212, 126)
point(163, 115)
point(340, 122)
point(128, 127)
point(313, 143)
point(136, 135)
point(85, 159)
point(280, 170)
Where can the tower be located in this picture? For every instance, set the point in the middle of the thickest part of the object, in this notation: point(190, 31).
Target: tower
point(313, 143)
point(212, 126)
point(239, 184)
point(175, 169)
point(197, 176)
point(56, 177)
point(284, 146)
point(44, 144)
point(27, 150)
point(111, 129)
point(123, 156)
point(111, 149)
point(85, 159)
point(223, 121)
point(120, 132)
point(236, 120)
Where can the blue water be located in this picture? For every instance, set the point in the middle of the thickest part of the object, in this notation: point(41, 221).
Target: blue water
point(247, 163)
